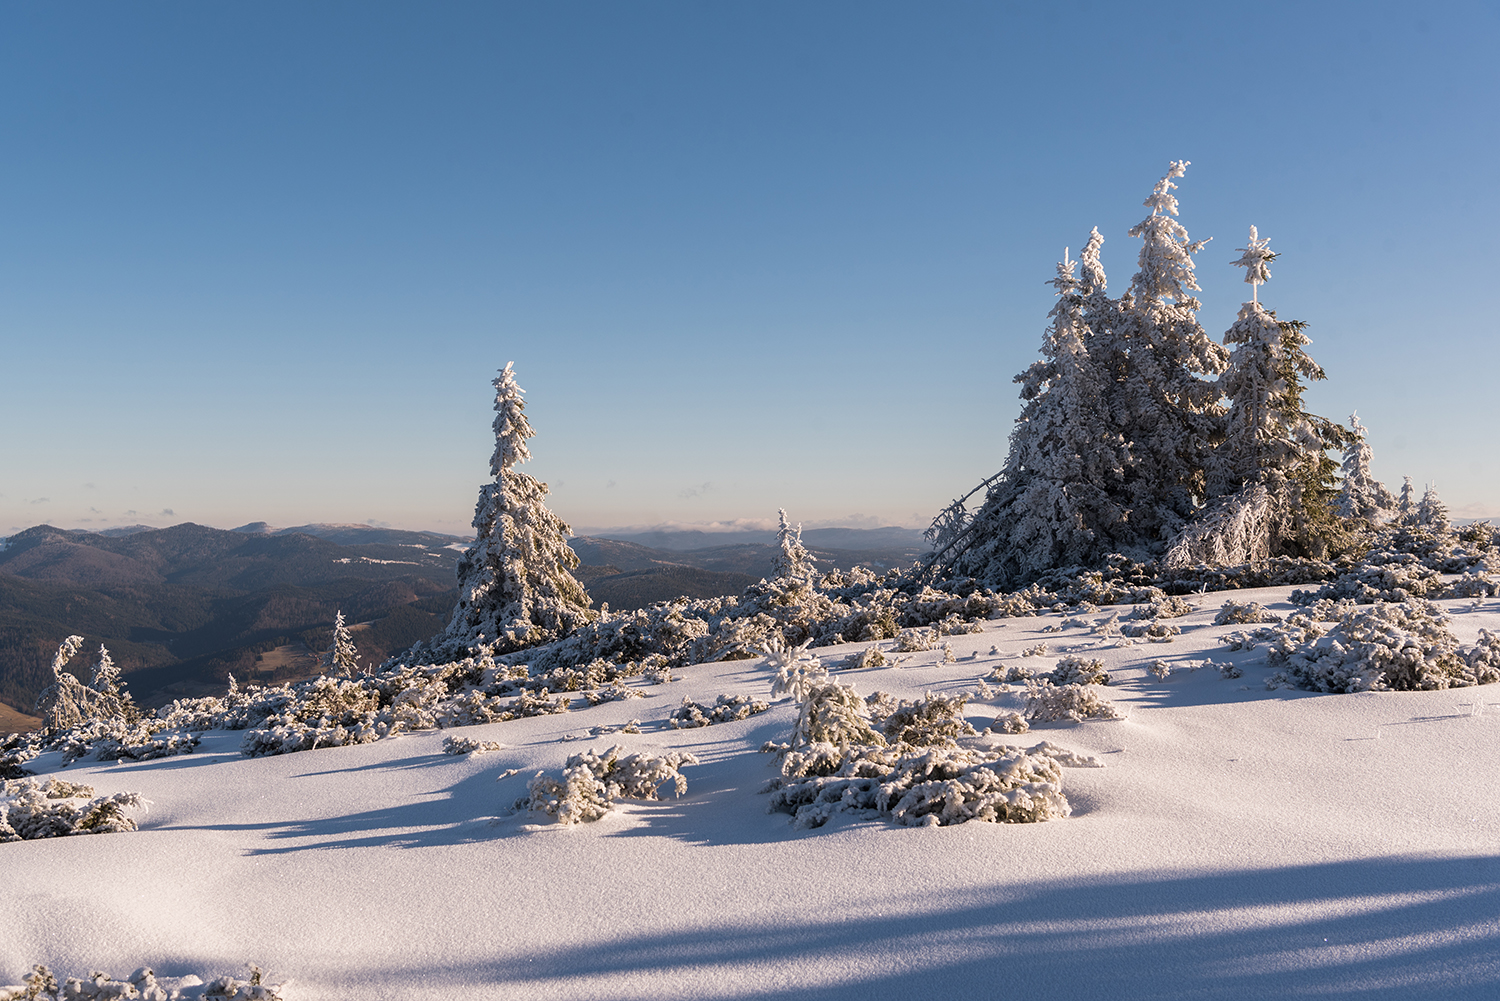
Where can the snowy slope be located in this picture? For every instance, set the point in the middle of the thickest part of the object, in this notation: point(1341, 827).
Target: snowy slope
point(1240, 843)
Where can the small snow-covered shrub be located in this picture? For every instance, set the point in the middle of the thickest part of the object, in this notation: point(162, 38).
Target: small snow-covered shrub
point(591, 782)
point(1167, 607)
point(935, 720)
point(1012, 674)
point(611, 693)
point(1235, 613)
point(1039, 650)
point(15, 750)
point(1472, 585)
point(1077, 671)
point(1402, 647)
point(1010, 722)
point(41, 985)
point(797, 672)
point(870, 656)
point(935, 786)
point(916, 640)
point(834, 714)
point(726, 709)
point(1047, 703)
point(468, 745)
point(116, 739)
point(1153, 630)
point(31, 809)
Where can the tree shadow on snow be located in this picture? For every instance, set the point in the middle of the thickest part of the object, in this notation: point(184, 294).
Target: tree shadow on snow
point(1370, 929)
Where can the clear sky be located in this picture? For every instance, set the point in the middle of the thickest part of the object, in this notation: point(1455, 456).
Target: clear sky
point(260, 261)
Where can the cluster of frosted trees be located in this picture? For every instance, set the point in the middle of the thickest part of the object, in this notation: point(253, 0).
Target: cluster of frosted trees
point(1144, 436)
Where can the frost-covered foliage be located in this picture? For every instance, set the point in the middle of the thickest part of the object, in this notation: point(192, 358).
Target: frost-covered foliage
point(869, 657)
point(32, 808)
point(1152, 631)
point(1271, 474)
point(1109, 452)
point(1049, 703)
point(1403, 647)
point(15, 750)
point(590, 783)
point(1361, 495)
point(142, 985)
point(468, 745)
point(1009, 722)
point(1077, 671)
point(1239, 613)
point(726, 709)
point(934, 786)
point(515, 585)
point(835, 715)
point(342, 657)
point(1165, 607)
point(68, 702)
point(1057, 500)
point(796, 672)
point(792, 560)
point(931, 721)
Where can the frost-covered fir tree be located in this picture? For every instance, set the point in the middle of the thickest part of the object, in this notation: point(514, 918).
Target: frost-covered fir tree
point(1057, 502)
point(1270, 481)
point(342, 657)
point(68, 702)
point(1165, 408)
point(113, 697)
point(1431, 511)
point(515, 588)
point(792, 560)
point(1406, 507)
point(1361, 495)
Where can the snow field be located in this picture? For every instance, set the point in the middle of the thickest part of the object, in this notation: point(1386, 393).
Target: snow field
point(1239, 843)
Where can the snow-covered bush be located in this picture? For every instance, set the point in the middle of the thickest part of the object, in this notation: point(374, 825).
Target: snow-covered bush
point(590, 783)
point(468, 745)
point(726, 709)
point(15, 750)
point(1009, 722)
point(835, 715)
point(1402, 647)
point(1152, 630)
point(797, 672)
point(931, 721)
point(68, 702)
point(1166, 607)
point(935, 786)
point(1048, 703)
point(869, 657)
point(1238, 613)
point(31, 808)
point(916, 640)
point(142, 985)
point(1077, 671)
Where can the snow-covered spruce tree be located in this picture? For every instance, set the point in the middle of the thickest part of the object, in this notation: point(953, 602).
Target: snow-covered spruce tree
point(1406, 507)
point(514, 585)
point(1270, 481)
point(792, 560)
point(68, 702)
point(1057, 502)
point(1168, 413)
point(1432, 513)
point(1361, 495)
point(342, 657)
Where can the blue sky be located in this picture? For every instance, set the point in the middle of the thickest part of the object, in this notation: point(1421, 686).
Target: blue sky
point(260, 261)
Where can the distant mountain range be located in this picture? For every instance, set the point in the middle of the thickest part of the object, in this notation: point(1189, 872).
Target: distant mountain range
point(181, 608)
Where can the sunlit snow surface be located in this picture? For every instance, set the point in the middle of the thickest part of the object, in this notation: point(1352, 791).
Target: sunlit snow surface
point(1240, 843)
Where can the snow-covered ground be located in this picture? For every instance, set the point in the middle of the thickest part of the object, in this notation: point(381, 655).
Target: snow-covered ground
point(1239, 843)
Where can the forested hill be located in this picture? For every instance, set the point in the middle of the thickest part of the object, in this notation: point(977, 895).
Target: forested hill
point(182, 607)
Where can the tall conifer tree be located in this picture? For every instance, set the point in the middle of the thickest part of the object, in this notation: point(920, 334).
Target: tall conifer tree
point(515, 588)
